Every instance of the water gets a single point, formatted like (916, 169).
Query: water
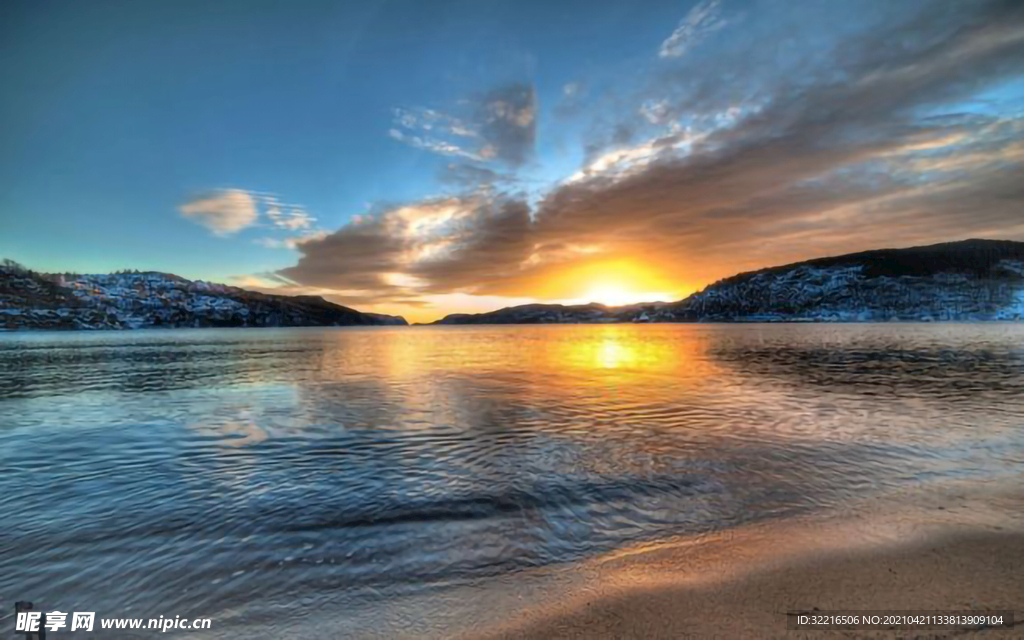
(208, 472)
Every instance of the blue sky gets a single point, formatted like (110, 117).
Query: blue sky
(420, 156)
(116, 112)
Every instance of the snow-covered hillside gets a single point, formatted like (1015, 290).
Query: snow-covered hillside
(973, 280)
(969, 280)
(140, 300)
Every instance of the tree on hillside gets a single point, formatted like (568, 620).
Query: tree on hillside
(12, 265)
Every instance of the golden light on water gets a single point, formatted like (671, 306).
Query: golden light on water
(560, 357)
(612, 354)
(627, 353)
(621, 348)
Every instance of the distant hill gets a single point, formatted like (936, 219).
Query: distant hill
(968, 280)
(972, 280)
(30, 300)
(549, 313)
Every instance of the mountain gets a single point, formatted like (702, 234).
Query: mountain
(968, 280)
(593, 313)
(29, 300)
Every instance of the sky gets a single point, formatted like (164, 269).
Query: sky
(423, 158)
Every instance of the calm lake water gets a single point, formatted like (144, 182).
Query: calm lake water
(201, 472)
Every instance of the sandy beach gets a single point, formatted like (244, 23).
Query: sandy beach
(981, 571)
(949, 552)
(955, 547)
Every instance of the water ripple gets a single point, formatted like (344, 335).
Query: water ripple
(183, 470)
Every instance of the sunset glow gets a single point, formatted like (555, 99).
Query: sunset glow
(611, 282)
(615, 294)
(529, 319)
(687, 143)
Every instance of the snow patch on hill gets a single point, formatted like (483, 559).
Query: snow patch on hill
(141, 300)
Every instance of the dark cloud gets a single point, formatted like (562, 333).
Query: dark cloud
(863, 146)
(355, 257)
(487, 247)
(470, 176)
(508, 123)
(754, 172)
(433, 246)
(498, 126)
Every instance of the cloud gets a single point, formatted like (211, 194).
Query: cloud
(228, 211)
(507, 119)
(223, 212)
(812, 162)
(498, 126)
(273, 283)
(472, 176)
(656, 111)
(433, 144)
(868, 146)
(435, 246)
(291, 242)
(287, 216)
(702, 20)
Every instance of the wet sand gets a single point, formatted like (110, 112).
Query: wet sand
(955, 548)
(948, 552)
(985, 572)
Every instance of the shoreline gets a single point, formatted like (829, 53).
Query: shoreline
(965, 555)
(149, 328)
(969, 572)
(958, 548)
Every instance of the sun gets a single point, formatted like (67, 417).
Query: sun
(612, 282)
(610, 294)
(616, 294)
